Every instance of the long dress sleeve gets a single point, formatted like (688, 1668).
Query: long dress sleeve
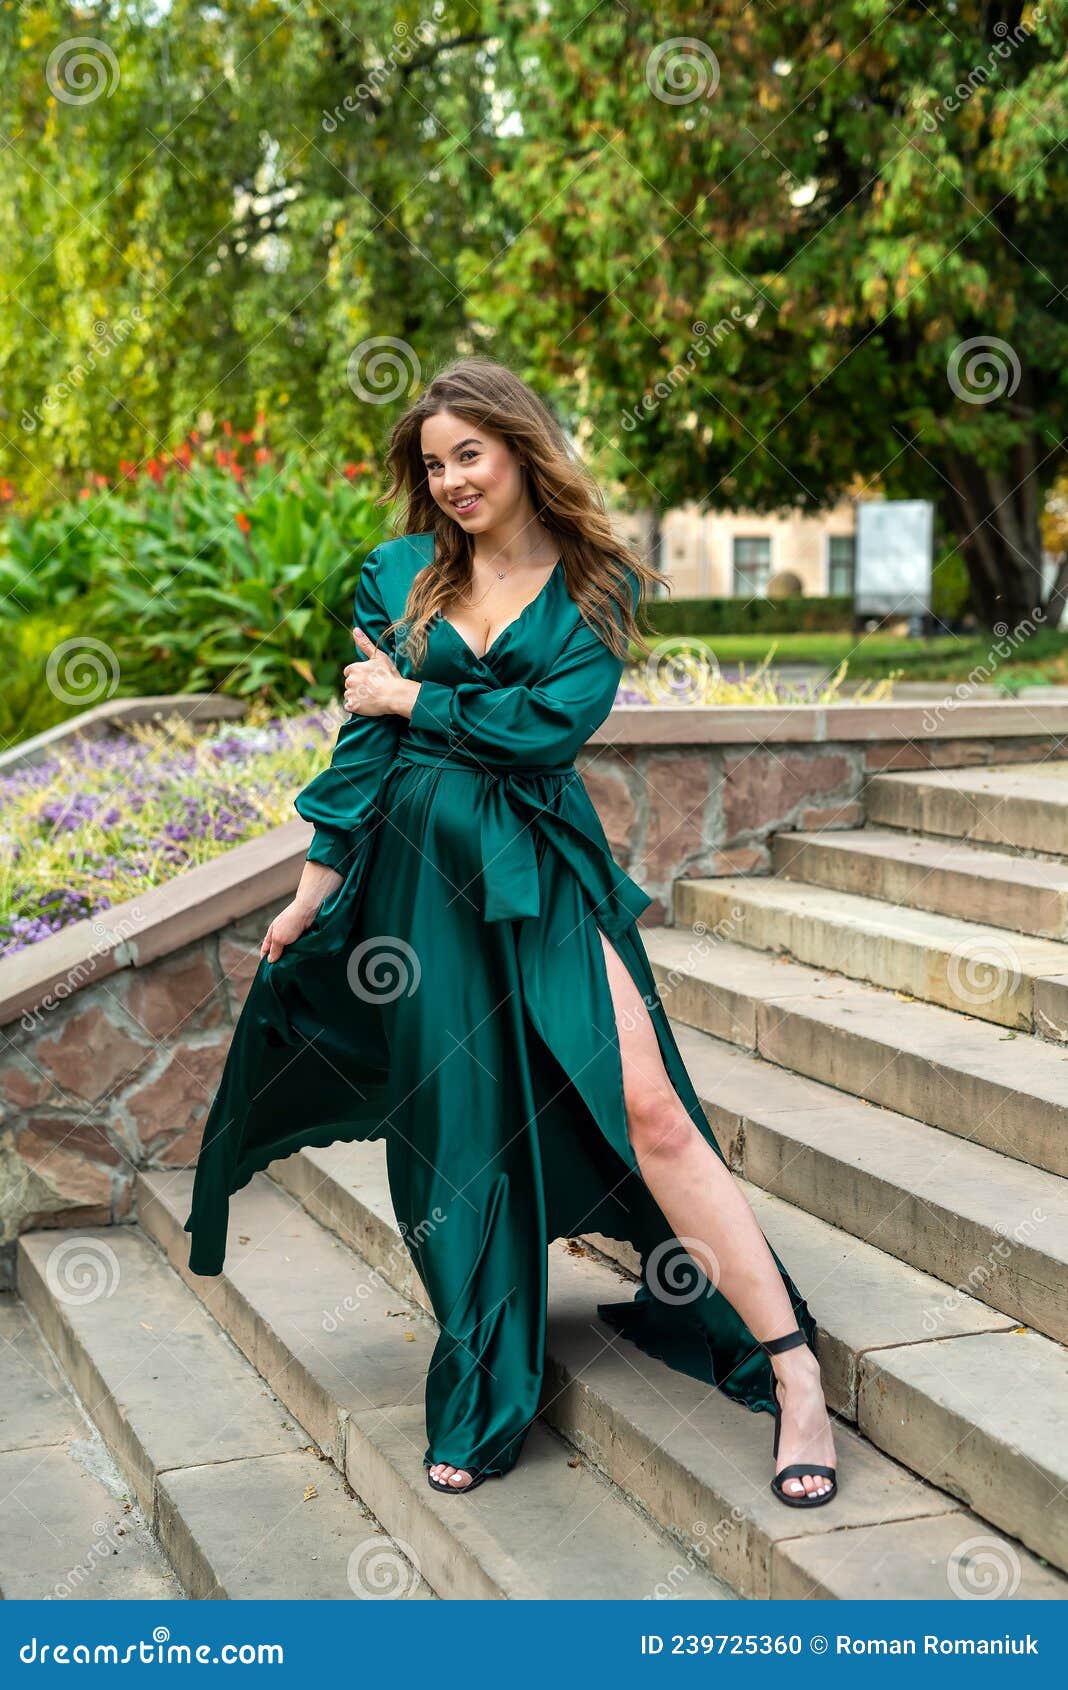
(339, 801)
(543, 724)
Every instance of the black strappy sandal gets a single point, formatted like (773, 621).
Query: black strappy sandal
(774, 1347)
(459, 1490)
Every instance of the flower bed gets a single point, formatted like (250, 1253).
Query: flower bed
(102, 820)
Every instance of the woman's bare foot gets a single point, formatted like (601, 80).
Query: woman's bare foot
(458, 1477)
(806, 1429)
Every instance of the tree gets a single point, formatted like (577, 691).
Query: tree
(775, 249)
(229, 206)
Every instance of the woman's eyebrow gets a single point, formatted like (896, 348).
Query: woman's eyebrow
(472, 440)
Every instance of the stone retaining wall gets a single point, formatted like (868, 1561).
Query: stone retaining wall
(115, 1030)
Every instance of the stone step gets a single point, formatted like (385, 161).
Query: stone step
(242, 1503)
(348, 1355)
(982, 971)
(868, 1305)
(1023, 894)
(1002, 1089)
(72, 1528)
(977, 1221)
(1022, 807)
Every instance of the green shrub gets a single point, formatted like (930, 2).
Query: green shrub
(951, 590)
(751, 616)
(211, 571)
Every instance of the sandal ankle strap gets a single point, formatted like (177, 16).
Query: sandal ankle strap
(789, 1341)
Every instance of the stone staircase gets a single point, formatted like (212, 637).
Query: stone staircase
(903, 1144)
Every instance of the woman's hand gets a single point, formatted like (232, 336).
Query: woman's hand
(288, 925)
(375, 686)
(317, 883)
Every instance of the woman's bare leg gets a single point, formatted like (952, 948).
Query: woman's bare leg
(707, 1210)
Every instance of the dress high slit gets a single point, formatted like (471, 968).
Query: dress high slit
(452, 997)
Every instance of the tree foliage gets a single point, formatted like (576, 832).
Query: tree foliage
(760, 256)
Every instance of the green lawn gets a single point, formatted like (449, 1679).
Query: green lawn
(1043, 658)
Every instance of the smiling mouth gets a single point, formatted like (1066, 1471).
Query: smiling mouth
(466, 504)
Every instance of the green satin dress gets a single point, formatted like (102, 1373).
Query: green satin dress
(451, 997)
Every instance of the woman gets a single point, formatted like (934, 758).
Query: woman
(523, 1072)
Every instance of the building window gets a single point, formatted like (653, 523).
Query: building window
(752, 565)
(841, 552)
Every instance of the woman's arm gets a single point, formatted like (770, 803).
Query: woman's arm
(529, 725)
(339, 802)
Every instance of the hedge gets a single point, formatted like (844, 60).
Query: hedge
(751, 616)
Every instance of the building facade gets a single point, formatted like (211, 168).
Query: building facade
(733, 554)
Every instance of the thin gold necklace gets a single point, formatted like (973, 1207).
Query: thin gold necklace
(500, 573)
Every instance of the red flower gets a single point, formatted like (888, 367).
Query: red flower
(155, 469)
(85, 493)
(7, 492)
(242, 522)
(127, 469)
(247, 436)
(182, 455)
(227, 430)
(262, 454)
(222, 458)
(194, 435)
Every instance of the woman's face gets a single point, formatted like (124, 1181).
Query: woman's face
(472, 473)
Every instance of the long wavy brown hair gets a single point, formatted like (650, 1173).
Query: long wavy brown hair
(565, 496)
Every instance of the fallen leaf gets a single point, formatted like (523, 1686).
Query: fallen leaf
(309, 1492)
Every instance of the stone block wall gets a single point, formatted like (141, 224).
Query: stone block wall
(688, 812)
(117, 1077)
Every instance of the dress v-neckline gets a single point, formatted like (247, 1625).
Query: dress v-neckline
(508, 626)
